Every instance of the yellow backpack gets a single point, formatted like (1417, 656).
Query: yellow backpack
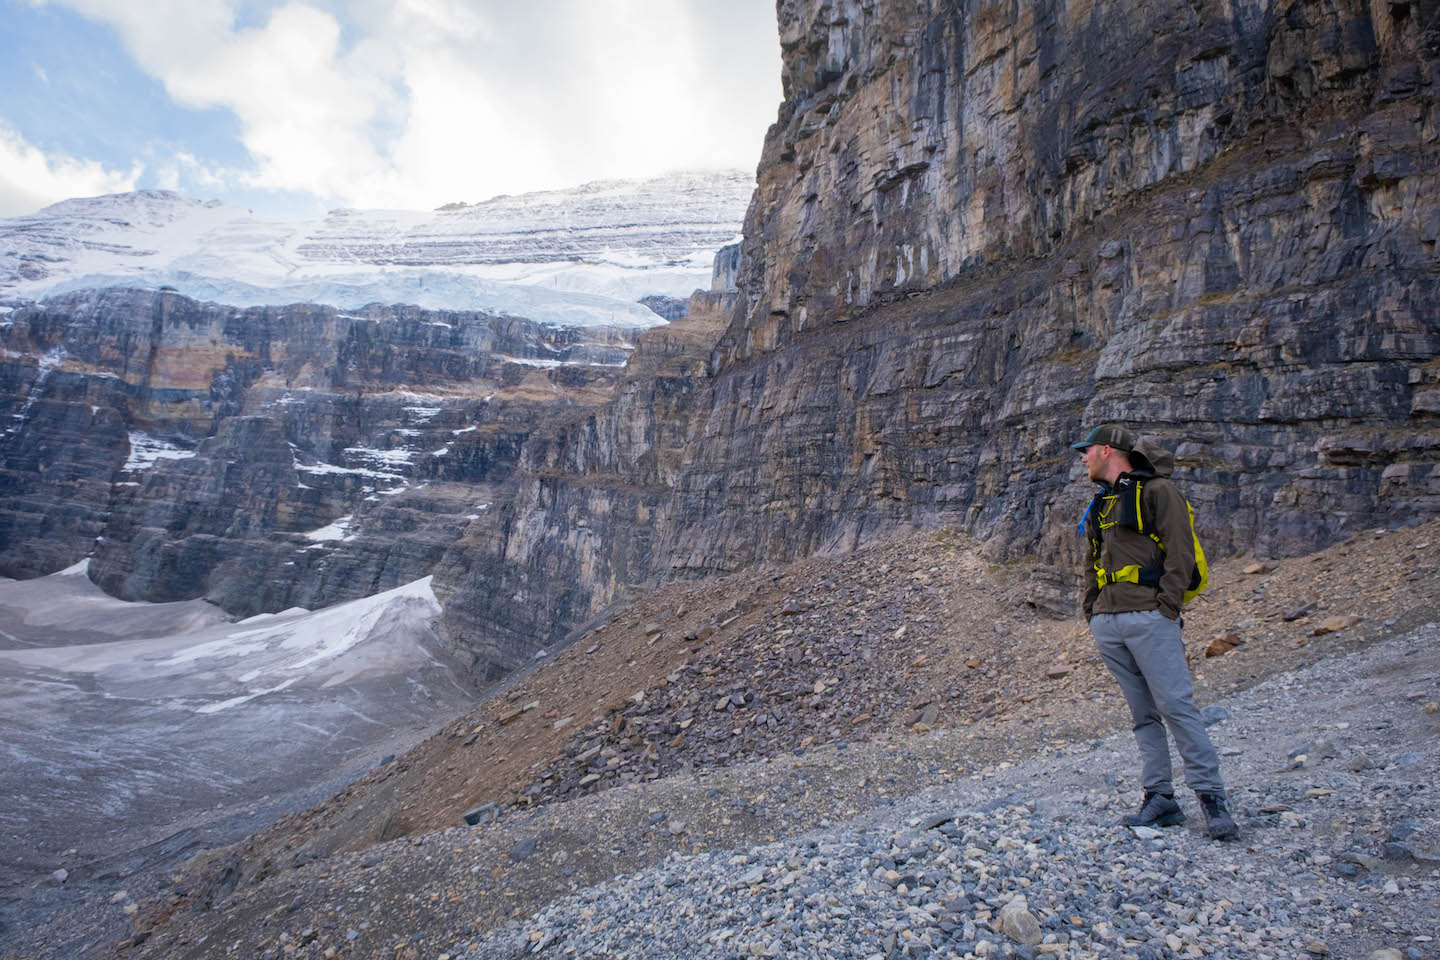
(1124, 507)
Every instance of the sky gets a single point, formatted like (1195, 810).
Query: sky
(295, 108)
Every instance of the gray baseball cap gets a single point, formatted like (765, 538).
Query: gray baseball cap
(1109, 435)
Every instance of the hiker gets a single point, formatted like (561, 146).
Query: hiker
(1144, 564)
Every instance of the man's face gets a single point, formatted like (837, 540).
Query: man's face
(1094, 457)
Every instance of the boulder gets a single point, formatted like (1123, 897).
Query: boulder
(1018, 923)
(1336, 623)
(1223, 644)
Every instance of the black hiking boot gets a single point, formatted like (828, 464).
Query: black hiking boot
(1218, 822)
(1156, 810)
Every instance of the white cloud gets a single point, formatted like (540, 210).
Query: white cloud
(31, 179)
(186, 173)
(414, 103)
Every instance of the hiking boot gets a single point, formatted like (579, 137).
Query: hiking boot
(1218, 822)
(1156, 810)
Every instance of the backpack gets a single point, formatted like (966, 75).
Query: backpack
(1124, 506)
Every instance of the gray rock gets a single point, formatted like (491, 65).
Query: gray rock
(486, 811)
(936, 820)
(524, 849)
(1018, 923)
(1404, 828)
(1301, 611)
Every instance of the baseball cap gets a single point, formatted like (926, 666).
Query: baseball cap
(1109, 435)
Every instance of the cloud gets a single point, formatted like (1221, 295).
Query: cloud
(414, 103)
(186, 173)
(31, 179)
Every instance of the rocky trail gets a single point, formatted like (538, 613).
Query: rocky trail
(1332, 770)
(907, 676)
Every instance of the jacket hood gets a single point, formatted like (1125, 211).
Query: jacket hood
(1149, 457)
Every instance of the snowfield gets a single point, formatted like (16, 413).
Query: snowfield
(578, 257)
(127, 723)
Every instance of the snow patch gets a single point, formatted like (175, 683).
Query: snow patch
(583, 256)
(530, 361)
(398, 458)
(330, 468)
(339, 530)
(146, 451)
(295, 645)
(236, 701)
(547, 364)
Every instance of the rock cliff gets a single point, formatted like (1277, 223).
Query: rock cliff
(268, 457)
(989, 225)
(980, 228)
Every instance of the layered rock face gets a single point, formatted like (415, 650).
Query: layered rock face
(590, 512)
(268, 457)
(980, 229)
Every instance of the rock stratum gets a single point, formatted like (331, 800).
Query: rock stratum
(977, 230)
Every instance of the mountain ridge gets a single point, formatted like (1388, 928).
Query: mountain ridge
(596, 248)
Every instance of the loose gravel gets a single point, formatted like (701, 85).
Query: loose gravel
(1332, 772)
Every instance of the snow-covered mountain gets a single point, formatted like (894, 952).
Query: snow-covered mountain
(578, 257)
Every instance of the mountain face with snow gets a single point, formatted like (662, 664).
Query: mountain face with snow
(578, 257)
(188, 391)
(174, 439)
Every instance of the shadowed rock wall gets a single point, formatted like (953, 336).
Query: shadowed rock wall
(271, 423)
(1215, 222)
(982, 227)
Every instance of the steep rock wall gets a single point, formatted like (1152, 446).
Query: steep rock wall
(991, 224)
(204, 450)
(980, 228)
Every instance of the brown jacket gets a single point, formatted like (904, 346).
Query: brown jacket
(1167, 513)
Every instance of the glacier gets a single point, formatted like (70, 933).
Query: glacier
(576, 257)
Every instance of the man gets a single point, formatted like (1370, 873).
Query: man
(1142, 561)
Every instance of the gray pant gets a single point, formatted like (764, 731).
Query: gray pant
(1147, 658)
